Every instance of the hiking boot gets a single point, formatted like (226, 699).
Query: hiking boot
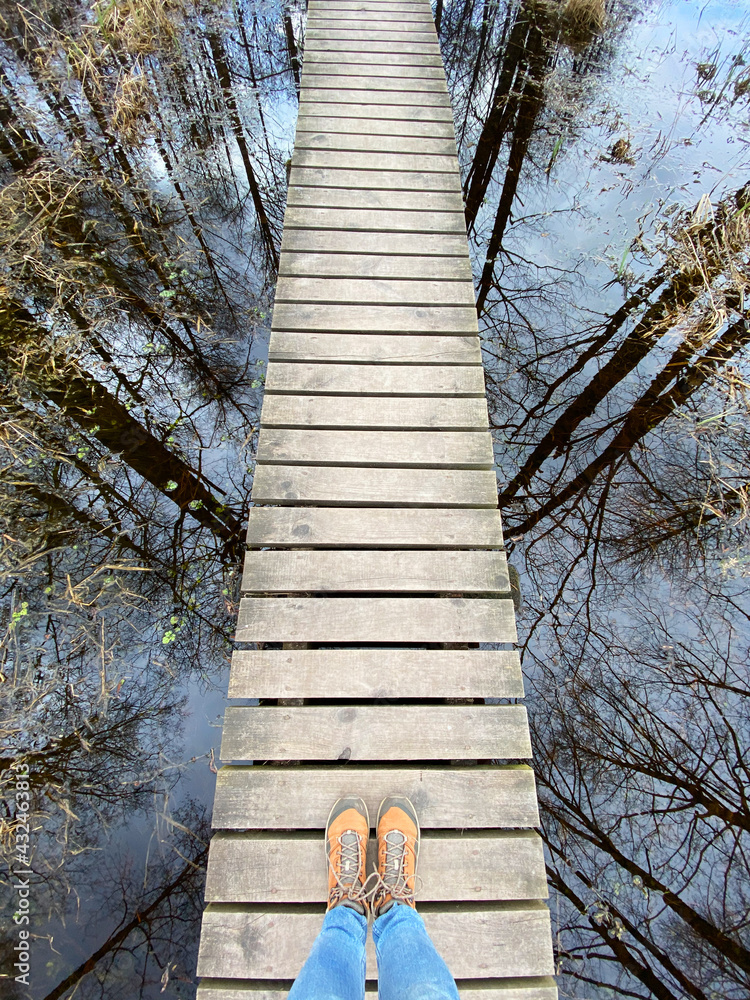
(347, 830)
(398, 849)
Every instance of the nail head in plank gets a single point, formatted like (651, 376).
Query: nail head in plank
(375, 732)
(504, 866)
(339, 486)
(364, 348)
(278, 571)
(512, 940)
(374, 266)
(376, 619)
(391, 449)
(376, 380)
(348, 527)
(375, 673)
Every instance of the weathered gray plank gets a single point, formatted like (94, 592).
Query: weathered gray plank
(280, 798)
(309, 107)
(321, 36)
(394, 244)
(376, 380)
(392, 449)
(374, 33)
(371, 60)
(343, 527)
(341, 141)
(426, 48)
(423, 96)
(397, 68)
(401, 160)
(375, 291)
(332, 17)
(389, 88)
(339, 486)
(389, 129)
(459, 320)
(354, 198)
(376, 619)
(374, 412)
(375, 673)
(539, 988)
(375, 571)
(362, 348)
(374, 266)
(512, 940)
(503, 866)
(403, 29)
(374, 219)
(375, 732)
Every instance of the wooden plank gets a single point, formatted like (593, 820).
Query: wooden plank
(374, 219)
(391, 70)
(362, 265)
(376, 380)
(279, 798)
(243, 868)
(539, 988)
(511, 940)
(391, 449)
(390, 129)
(354, 198)
(392, 244)
(375, 732)
(395, 39)
(339, 486)
(342, 527)
(400, 160)
(403, 28)
(423, 48)
(375, 571)
(334, 107)
(423, 146)
(317, 318)
(377, 291)
(362, 348)
(331, 17)
(371, 61)
(349, 91)
(376, 619)
(374, 412)
(375, 673)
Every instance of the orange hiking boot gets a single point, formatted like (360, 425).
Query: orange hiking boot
(398, 850)
(347, 830)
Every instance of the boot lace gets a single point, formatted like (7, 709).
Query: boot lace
(347, 872)
(394, 882)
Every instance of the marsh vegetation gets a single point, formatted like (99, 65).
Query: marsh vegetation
(143, 152)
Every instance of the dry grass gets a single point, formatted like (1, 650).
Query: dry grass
(140, 27)
(130, 106)
(581, 22)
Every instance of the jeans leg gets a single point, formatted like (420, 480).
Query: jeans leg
(335, 967)
(409, 967)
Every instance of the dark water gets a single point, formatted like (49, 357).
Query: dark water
(604, 156)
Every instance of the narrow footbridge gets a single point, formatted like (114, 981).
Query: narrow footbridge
(375, 576)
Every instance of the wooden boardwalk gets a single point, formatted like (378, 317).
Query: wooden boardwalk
(375, 566)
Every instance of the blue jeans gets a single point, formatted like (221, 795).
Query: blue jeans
(409, 967)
